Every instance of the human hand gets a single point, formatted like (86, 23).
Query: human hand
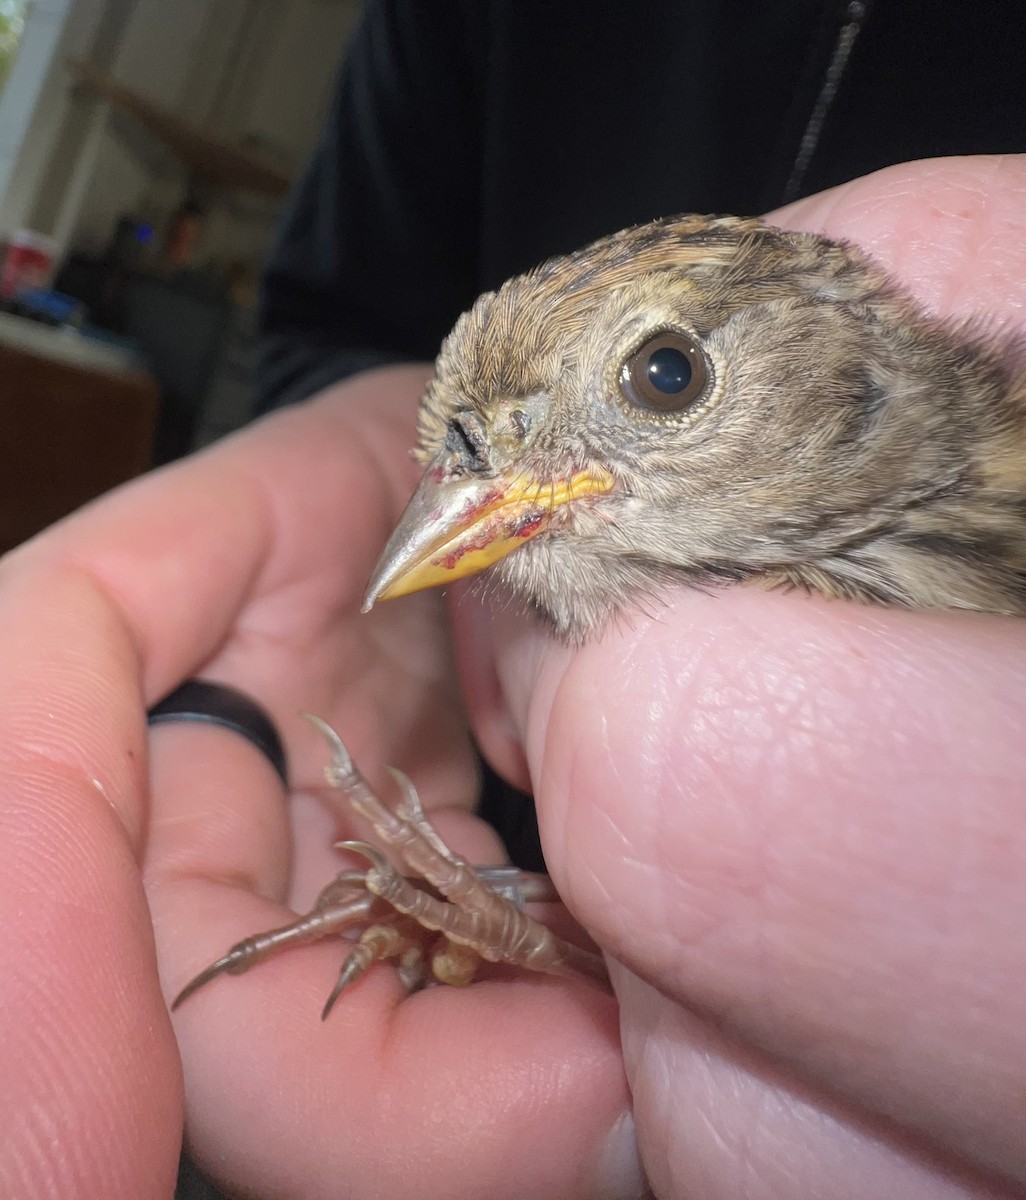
(798, 824)
(246, 565)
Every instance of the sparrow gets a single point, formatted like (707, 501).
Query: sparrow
(698, 401)
(710, 400)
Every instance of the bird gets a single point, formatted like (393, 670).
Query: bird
(707, 400)
(701, 400)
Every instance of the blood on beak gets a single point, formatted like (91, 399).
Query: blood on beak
(457, 524)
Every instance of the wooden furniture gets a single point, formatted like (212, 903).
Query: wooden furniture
(75, 420)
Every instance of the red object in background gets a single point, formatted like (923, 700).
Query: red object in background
(28, 263)
(183, 233)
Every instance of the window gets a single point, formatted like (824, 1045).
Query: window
(29, 34)
(12, 25)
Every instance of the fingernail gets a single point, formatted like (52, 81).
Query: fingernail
(618, 1171)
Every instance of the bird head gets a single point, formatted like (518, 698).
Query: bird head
(700, 399)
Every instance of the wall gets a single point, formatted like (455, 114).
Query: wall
(241, 69)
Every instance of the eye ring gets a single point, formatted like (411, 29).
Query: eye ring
(667, 375)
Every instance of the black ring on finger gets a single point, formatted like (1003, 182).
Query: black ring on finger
(217, 704)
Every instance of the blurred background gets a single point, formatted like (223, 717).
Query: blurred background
(146, 148)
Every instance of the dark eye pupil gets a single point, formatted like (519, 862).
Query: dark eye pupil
(669, 370)
(668, 374)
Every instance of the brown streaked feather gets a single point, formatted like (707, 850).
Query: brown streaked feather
(852, 444)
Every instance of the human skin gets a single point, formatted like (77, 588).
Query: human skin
(797, 824)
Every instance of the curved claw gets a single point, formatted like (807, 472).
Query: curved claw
(365, 850)
(409, 806)
(343, 903)
(351, 971)
(411, 809)
(233, 963)
(341, 769)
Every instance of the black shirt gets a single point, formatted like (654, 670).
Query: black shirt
(469, 139)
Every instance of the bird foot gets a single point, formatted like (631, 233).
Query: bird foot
(432, 914)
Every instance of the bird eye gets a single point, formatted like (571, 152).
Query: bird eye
(667, 374)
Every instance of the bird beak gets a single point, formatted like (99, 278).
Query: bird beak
(457, 524)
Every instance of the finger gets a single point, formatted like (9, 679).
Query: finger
(972, 211)
(520, 1083)
(751, 1130)
(91, 1103)
(248, 563)
(100, 616)
(950, 228)
(805, 818)
(475, 652)
(304, 498)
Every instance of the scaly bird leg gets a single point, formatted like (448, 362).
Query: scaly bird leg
(477, 916)
(477, 911)
(343, 904)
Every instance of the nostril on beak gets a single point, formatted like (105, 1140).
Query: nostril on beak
(466, 440)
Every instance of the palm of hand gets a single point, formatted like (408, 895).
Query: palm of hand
(389, 684)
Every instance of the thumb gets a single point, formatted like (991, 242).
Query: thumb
(803, 819)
